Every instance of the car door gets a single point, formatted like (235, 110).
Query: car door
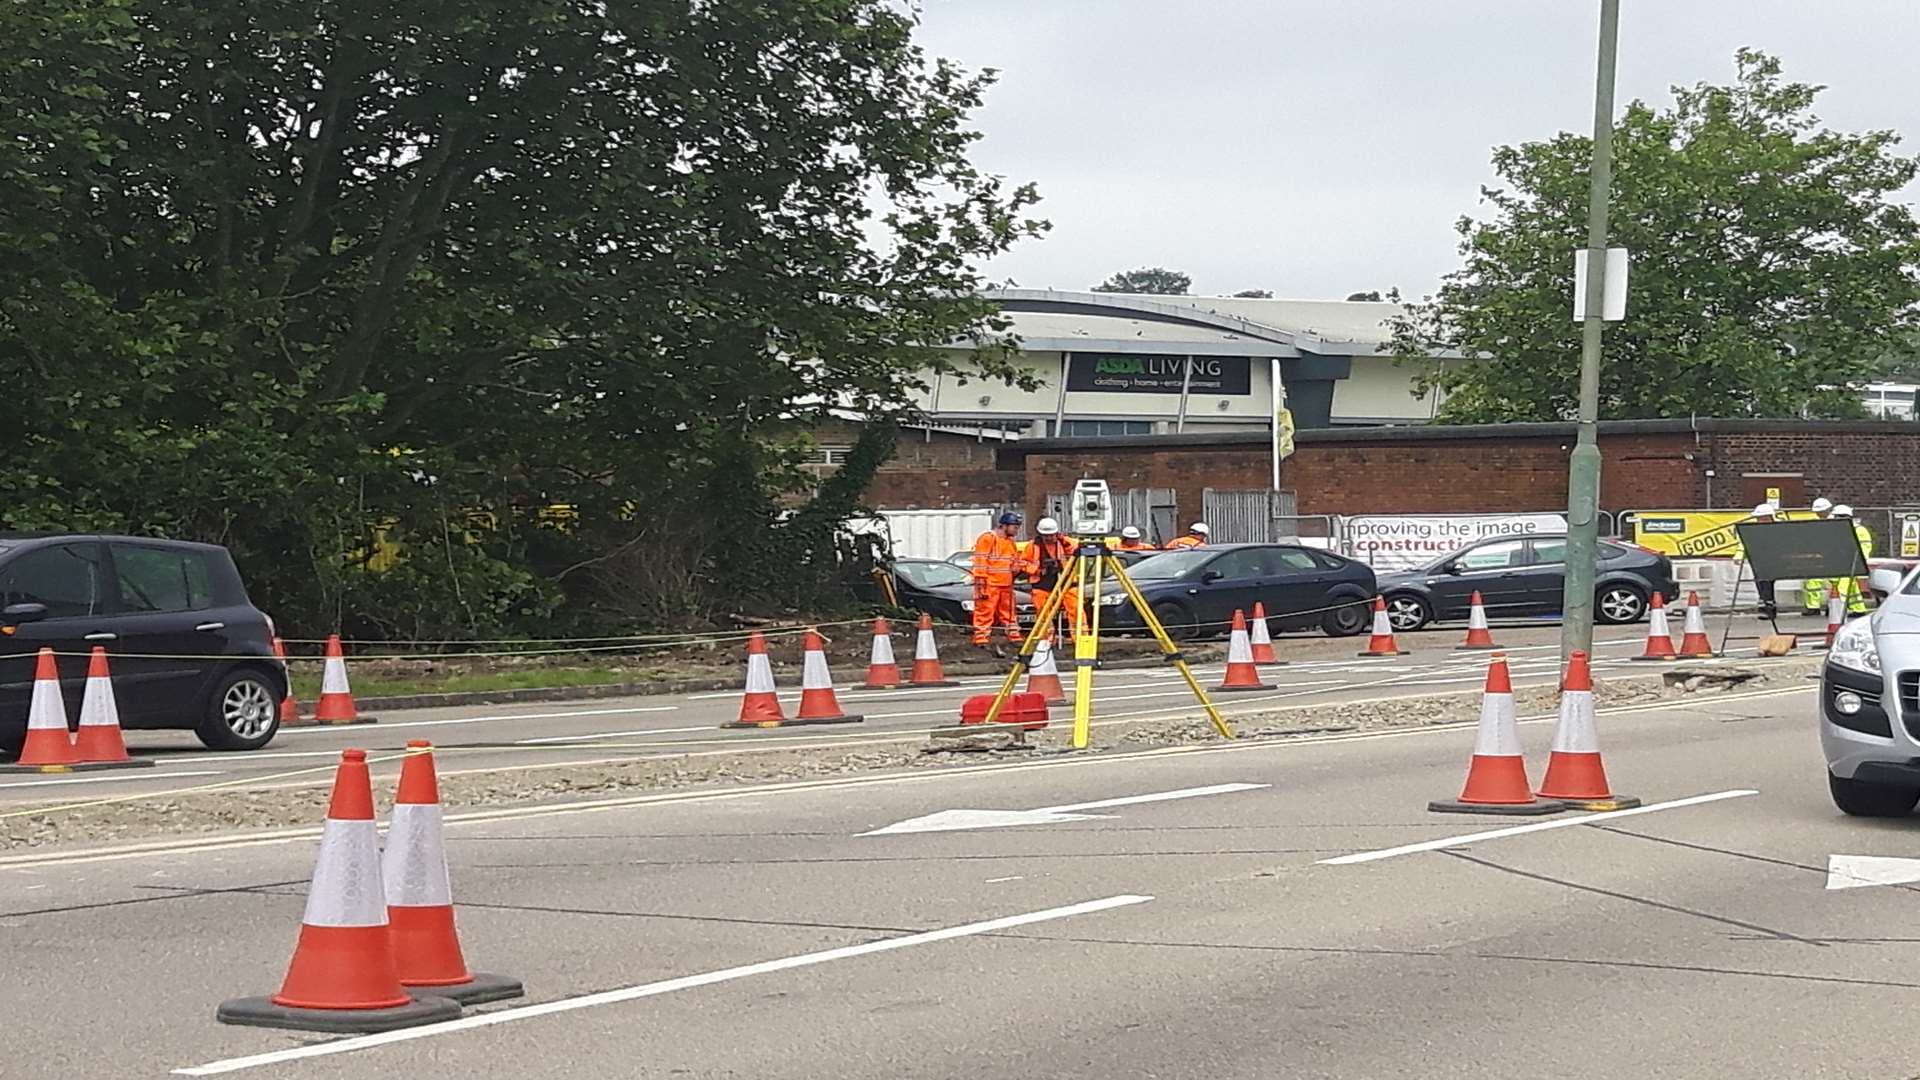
(1230, 582)
(167, 628)
(1295, 582)
(1492, 569)
(1544, 580)
(70, 581)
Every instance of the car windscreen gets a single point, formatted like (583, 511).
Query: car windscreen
(1169, 565)
(930, 575)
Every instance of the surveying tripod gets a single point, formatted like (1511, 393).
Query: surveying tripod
(1087, 568)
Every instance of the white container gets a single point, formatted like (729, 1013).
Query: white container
(929, 534)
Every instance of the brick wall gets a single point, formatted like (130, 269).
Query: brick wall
(931, 469)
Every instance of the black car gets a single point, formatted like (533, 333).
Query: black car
(1196, 591)
(186, 647)
(945, 592)
(1525, 576)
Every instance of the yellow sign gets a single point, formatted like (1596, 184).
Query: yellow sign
(1773, 496)
(1285, 428)
(1910, 536)
(1690, 534)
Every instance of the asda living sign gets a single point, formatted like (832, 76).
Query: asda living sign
(1159, 374)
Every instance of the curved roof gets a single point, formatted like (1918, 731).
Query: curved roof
(1324, 327)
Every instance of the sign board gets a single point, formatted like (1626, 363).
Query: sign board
(1115, 374)
(1773, 496)
(1407, 542)
(1283, 444)
(1690, 534)
(1910, 536)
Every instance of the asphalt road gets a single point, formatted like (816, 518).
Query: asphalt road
(1318, 670)
(1282, 909)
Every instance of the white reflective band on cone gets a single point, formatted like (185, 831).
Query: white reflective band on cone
(1499, 736)
(48, 709)
(1696, 623)
(98, 708)
(1381, 627)
(1574, 734)
(1238, 651)
(346, 888)
(1657, 627)
(923, 648)
(1043, 663)
(415, 864)
(759, 674)
(1477, 618)
(882, 649)
(813, 673)
(333, 679)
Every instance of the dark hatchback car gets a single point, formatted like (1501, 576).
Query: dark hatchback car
(1196, 591)
(186, 647)
(1517, 576)
(945, 592)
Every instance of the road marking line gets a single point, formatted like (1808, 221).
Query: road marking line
(1538, 826)
(105, 779)
(323, 729)
(668, 986)
(1157, 796)
(610, 735)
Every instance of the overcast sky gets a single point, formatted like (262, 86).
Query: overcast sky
(1320, 147)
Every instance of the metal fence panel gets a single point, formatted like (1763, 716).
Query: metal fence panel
(1243, 517)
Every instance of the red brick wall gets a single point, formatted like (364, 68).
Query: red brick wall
(1866, 469)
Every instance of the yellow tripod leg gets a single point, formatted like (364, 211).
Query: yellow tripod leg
(1168, 647)
(1012, 681)
(1086, 652)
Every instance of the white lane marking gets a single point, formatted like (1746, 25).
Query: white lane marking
(1538, 826)
(169, 775)
(956, 820)
(1157, 796)
(668, 986)
(1861, 871)
(610, 735)
(384, 725)
(989, 881)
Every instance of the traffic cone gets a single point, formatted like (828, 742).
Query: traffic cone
(426, 947)
(289, 708)
(1497, 775)
(336, 697)
(926, 658)
(1381, 643)
(1043, 675)
(48, 745)
(760, 706)
(1694, 645)
(99, 741)
(1836, 617)
(1259, 638)
(1241, 672)
(882, 672)
(1575, 774)
(818, 705)
(1479, 636)
(1659, 634)
(343, 977)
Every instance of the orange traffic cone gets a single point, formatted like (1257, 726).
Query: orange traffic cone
(1381, 643)
(1479, 636)
(49, 745)
(926, 658)
(289, 708)
(1241, 672)
(426, 947)
(1575, 773)
(1694, 645)
(760, 707)
(336, 697)
(818, 704)
(342, 977)
(1497, 775)
(882, 672)
(1260, 638)
(1836, 617)
(99, 741)
(1659, 633)
(1043, 675)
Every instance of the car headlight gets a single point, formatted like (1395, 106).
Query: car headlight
(1113, 599)
(966, 605)
(1854, 647)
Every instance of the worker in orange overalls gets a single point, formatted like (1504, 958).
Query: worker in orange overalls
(1196, 537)
(1050, 554)
(1130, 540)
(996, 557)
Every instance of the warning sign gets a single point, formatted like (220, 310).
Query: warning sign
(1690, 534)
(1910, 536)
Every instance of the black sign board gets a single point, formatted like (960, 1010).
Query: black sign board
(1802, 549)
(1140, 374)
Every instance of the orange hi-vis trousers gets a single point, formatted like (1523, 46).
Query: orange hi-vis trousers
(993, 607)
(1072, 612)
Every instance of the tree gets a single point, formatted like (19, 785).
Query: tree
(1255, 294)
(1373, 296)
(1770, 266)
(284, 276)
(1150, 279)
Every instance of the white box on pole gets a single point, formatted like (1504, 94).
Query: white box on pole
(1613, 306)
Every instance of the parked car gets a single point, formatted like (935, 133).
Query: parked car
(1870, 704)
(1196, 591)
(187, 648)
(1525, 576)
(943, 591)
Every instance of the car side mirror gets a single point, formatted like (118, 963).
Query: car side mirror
(1211, 576)
(15, 614)
(1453, 568)
(1885, 581)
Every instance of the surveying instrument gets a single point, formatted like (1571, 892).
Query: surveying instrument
(1091, 516)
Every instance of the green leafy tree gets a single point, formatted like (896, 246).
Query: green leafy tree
(1771, 265)
(281, 276)
(1150, 279)
(1255, 294)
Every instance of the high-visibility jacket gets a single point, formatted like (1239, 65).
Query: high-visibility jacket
(1187, 541)
(996, 558)
(1047, 559)
(1865, 536)
(1135, 545)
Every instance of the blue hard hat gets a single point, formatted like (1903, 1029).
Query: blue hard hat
(1011, 518)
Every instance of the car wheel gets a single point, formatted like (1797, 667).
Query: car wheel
(1407, 612)
(1346, 620)
(1861, 799)
(243, 713)
(1177, 620)
(1615, 604)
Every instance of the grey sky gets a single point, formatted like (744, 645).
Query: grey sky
(1318, 148)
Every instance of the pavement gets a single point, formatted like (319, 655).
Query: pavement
(1318, 671)
(1244, 910)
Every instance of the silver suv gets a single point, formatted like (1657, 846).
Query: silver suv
(1870, 705)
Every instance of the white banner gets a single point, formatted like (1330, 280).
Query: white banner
(1406, 542)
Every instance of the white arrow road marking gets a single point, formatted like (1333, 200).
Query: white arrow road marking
(952, 820)
(1861, 871)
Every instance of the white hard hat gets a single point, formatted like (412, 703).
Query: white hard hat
(1822, 505)
(1843, 510)
(1130, 533)
(1200, 527)
(1047, 527)
(1765, 509)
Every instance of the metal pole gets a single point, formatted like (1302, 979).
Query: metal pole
(1060, 401)
(1273, 415)
(1186, 384)
(1583, 472)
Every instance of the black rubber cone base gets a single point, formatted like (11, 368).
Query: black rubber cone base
(745, 724)
(910, 684)
(1655, 659)
(1601, 806)
(84, 766)
(1536, 808)
(1478, 648)
(1240, 689)
(355, 722)
(1382, 655)
(482, 989)
(262, 1012)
